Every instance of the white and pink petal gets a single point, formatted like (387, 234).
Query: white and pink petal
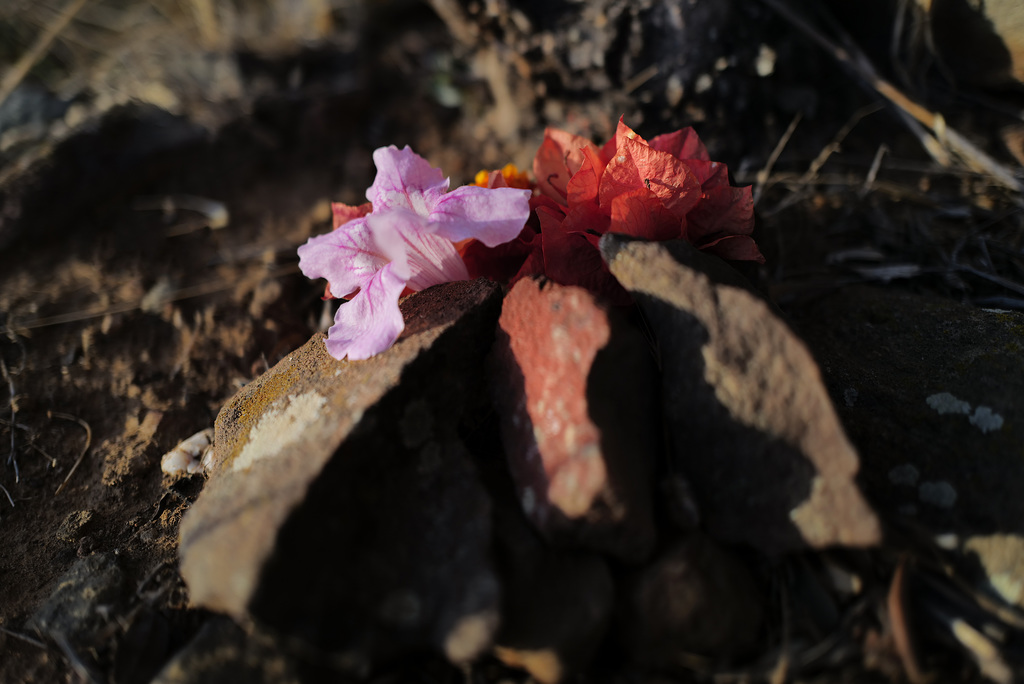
(405, 180)
(346, 257)
(491, 215)
(416, 251)
(371, 322)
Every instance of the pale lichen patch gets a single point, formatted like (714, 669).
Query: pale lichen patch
(986, 420)
(944, 403)
(279, 427)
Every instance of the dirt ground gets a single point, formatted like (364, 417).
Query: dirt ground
(128, 319)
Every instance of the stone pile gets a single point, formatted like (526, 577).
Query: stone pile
(532, 475)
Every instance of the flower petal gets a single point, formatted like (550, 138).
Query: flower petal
(622, 133)
(637, 166)
(573, 259)
(736, 248)
(682, 144)
(559, 157)
(416, 252)
(724, 211)
(371, 321)
(343, 213)
(584, 184)
(491, 215)
(405, 180)
(640, 214)
(347, 257)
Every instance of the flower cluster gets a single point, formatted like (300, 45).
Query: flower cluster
(664, 189)
(415, 233)
(403, 239)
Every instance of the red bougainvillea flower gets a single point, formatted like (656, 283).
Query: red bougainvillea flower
(664, 189)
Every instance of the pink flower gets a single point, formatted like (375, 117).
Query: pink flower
(405, 241)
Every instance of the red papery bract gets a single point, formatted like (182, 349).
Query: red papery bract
(662, 190)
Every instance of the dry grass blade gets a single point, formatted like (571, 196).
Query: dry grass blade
(23, 637)
(764, 174)
(10, 500)
(85, 448)
(939, 140)
(28, 60)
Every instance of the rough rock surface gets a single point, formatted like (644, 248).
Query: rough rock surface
(575, 388)
(91, 589)
(749, 421)
(556, 603)
(222, 652)
(695, 598)
(941, 427)
(343, 510)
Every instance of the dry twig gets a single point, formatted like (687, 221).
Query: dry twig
(85, 448)
(764, 174)
(939, 140)
(28, 60)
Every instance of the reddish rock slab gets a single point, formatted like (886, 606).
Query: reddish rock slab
(343, 511)
(575, 388)
(748, 418)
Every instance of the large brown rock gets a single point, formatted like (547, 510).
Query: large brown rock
(930, 392)
(343, 510)
(575, 388)
(749, 421)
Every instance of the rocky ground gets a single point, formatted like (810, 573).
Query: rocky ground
(807, 471)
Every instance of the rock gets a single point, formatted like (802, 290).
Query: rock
(85, 595)
(343, 510)
(1001, 557)
(556, 603)
(938, 418)
(73, 526)
(979, 43)
(575, 388)
(749, 421)
(693, 599)
(222, 652)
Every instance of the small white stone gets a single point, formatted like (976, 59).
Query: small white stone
(986, 420)
(940, 494)
(765, 62)
(944, 403)
(190, 456)
(703, 84)
(905, 474)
